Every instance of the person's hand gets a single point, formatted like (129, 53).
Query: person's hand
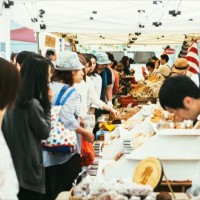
(115, 112)
(89, 137)
(91, 110)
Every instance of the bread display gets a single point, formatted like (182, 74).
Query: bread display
(140, 138)
(148, 88)
(131, 123)
(165, 125)
(166, 120)
(163, 196)
(124, 114)
(169, 117)
(157, 115)
(111, 195)
(186, 124)
(116, 189)
(118, 156)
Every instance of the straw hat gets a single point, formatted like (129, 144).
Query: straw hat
(180, 66)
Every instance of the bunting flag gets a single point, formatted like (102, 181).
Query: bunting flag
(184, 49)
(193, 60)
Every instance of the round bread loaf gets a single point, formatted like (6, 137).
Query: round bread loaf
(163, 196)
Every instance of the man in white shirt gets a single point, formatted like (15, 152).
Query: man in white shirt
(164, 69)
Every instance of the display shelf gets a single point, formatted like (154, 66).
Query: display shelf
(169, 147)
(115, 146)
(183, 185)
(110, 151)
(179, 155)
(180, 132)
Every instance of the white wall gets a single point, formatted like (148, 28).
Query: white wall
(5, 33)
(17, 46)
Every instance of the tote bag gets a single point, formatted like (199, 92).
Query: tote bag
(60, 138)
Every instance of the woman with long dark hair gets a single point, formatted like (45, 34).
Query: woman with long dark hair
(9, 81)
(96, 79)
(27, 124)
(125, 62)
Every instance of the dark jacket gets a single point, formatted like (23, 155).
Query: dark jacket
(24, 128)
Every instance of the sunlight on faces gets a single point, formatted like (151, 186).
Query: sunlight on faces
(54, 57)
(77, 75)
(162, 61)
(190, 111)
(92, 67)
(149, 69)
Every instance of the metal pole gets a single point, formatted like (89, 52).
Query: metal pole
(38, 43)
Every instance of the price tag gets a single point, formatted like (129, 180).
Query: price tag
(129, 107)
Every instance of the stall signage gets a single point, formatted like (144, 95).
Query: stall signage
(170, 51)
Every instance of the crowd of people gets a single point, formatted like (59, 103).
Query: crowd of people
(31, 83)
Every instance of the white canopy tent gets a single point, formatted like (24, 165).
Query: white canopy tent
(112, 22)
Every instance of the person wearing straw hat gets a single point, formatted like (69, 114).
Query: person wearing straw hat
(180, 67)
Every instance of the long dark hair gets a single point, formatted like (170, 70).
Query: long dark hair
(34, 81)
(9, 82)
(62, 76)
(124, 60)
(94, 73)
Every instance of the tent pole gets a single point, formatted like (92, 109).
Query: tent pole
(5, 33)
(38, 42)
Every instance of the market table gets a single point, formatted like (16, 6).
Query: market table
(177, 184)
(66, 196)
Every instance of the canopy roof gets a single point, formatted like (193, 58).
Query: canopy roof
(114, 22)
